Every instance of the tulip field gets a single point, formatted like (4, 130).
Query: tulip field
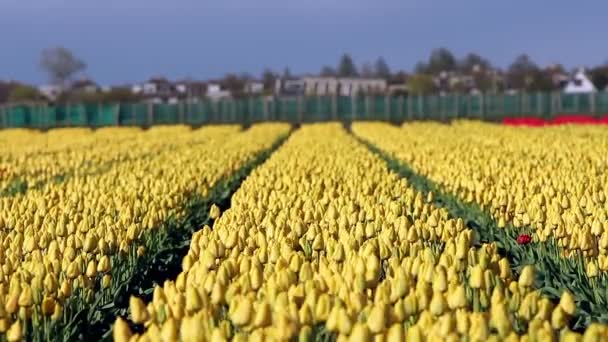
(466, 231)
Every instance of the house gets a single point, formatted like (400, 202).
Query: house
(289, 86)
(85, 86)
(398, 89)
(215, 91)
(254, 87)
(51, 91)
(579, 83)
(355, 86)
(157, 87)
(321, 86)
(559, 78)
(190, 89)
(448, 81)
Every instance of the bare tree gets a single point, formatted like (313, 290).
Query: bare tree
(60, 64)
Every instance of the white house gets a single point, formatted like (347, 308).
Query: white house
(215, 91)
(254, 87)
(313, 85)
(50, 91)
(291, 86)
(579, 83)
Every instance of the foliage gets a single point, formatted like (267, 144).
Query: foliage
(24, 93)
(346, 67)
(60, 64)
(114, 95)
(269, 78)
(441, 59)
(525, 74)
(328, 71)
(599, 77)
(420, 84)
(381, 69)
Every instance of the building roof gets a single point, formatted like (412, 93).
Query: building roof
(579, 83)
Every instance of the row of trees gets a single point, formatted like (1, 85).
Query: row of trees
(442, 71)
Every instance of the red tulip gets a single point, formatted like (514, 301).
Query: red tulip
(524, 239)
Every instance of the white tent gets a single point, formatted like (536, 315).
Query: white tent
(579, 83)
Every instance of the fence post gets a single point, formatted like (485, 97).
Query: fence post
(150, 112)
(3, 116)
(117, 115)
(353, 109)
(387, 107)
(300, 107)
(400, 108)
(592, 103)
(334, 107)
(180, 112)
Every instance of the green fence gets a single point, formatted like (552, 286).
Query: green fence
(305, 109)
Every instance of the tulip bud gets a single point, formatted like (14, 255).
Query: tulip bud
(526, 278)
(138, 310)
(476, 278)
(558, 318)
(214, 212)
(377, 319)
(360, 333)
(567, 304)
(121, 331)
(106, 281)
(243, 312)
(438, 304)
(15, 333)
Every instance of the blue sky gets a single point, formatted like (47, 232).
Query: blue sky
(130, 40)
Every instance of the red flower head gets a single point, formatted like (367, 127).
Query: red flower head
(524, 239)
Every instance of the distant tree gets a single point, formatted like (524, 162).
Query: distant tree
(269, 78)
(480, 69)
(458, 87)
(474, 63)
(5, 90)
(245, 76)
(114, 95)
(234, 84)
(381, 69)
(526, 75)
(287, 73)
(119, 94)
(328, 71)
(441, 59)
(520, 74)
(400, 77)
(24, 93)
(484, 80)
(599, 76)
(347, 67)
(420, 84)
(367, 70)
(61, 65)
